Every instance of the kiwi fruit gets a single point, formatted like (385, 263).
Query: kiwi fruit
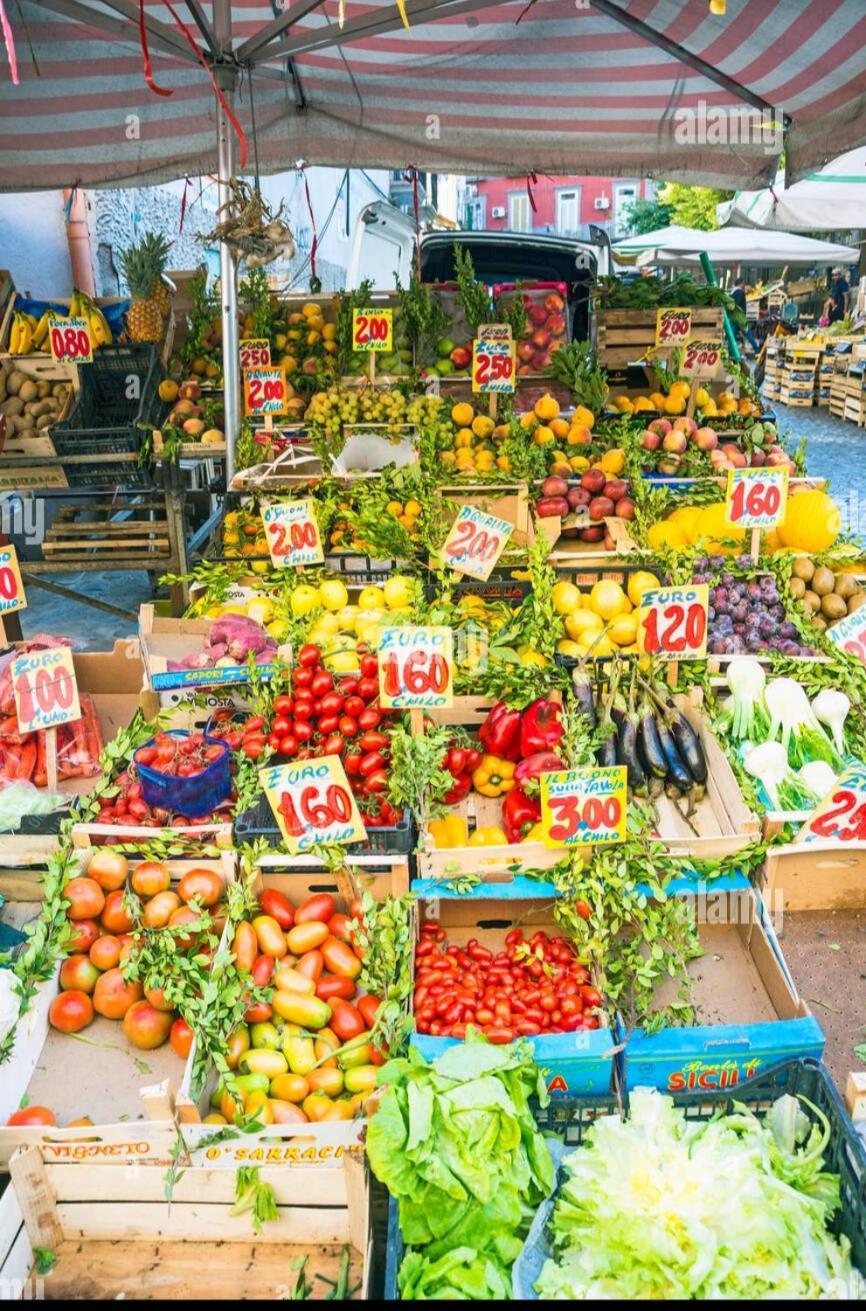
(797, 588)
(823, 580)
(855, 601)
(803, 568)
(812, 600)
(833, 606)
(846, 586)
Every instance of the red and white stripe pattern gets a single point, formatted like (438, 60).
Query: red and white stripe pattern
(567, 90)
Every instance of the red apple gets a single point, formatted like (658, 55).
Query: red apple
(577, 496)
(616, 489)
(525, 352)
(625, 508)
(460, 357)
(593, 480)
(600, 507)
(594, 534)
(537, 315)
(556, 325)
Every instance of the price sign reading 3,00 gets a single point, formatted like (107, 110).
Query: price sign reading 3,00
(583, 807)
(373, 330)
(265, 391)
(70, 340)
(756, 498)
(312, 802)
(841, 816)
(850, 634)
(255, 353)
(292, 533)
(475, 542)
(673, 326)
(673, 622)
(416, 667)
(45, 689)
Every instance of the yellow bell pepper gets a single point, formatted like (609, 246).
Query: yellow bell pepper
(493, 776)
(488, 837)
(534, 834)
(451, 831)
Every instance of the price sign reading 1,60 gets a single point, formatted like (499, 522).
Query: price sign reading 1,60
(673, 622)
(756, 498)
(312, 802)
(416, 667)
(673, 326)
(583, 807)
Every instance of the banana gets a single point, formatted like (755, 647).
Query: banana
(21, 336)
(40, 334)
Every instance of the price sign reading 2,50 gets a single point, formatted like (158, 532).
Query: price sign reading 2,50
(673, 623)
(416, 667)
(841, 816)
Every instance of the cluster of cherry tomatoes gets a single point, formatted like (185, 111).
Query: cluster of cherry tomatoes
(532, 986)
(179, 756)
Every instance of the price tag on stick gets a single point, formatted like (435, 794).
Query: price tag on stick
(313, 802)
(850, 634)
(255, 353)
(494, 359)
(756, 498)
(701, 360)
(264, 392)
(11, 587)
(673, 622)
(673, 326)
(69, 339)
(416, 667)
(45, 689)
(292, 533)
(373, 330)
(475, 542)
(841, 816)
(584, 807)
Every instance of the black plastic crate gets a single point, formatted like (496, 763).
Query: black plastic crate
(99, 427)
(807, 1078)
(259, 822)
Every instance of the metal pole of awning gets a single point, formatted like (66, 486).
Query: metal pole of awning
(227, 77)
(710, 275)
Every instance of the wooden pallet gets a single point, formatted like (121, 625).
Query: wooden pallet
(90, 531)
(855, 410)
(624, 336)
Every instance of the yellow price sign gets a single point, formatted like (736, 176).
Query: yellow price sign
(45, 689)
(313, 803)
(494, 359)
(255, 353)
(416, 667)
(264, 392)
(292, 533)
(673, 326)
(373, 330)
(584, 807)
(11, 585)
(756, 498)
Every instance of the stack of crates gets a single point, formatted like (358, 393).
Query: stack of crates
(799, 374)
(773, 368)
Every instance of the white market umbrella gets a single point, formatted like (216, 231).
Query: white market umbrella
(831, 200)
(677, 245)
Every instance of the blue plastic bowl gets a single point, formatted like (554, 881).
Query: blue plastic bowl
(190, 797)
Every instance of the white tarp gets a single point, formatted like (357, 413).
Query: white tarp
(677, 245)
(831, 200)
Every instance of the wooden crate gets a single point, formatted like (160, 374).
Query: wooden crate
(102, 1077)
(625, 336)
(568, 551)
(722, 820)
(508, 501)
(16, 1254)
(816, 876)
(115, 1236)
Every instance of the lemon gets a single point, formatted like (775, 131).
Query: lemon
(371, 598)
(399, 591)
(328, 623)
(343, 662)
(566, 598)
(214, 612)
(531, 658)
(608, 599)
(639, 583)
(687, 519)
(347, 617)
(278, 630)
(565, 646)
(263, 567)
(334, 594)
(603, 647)
(623, 630)
(582, 625)
(462, 414)
(260, 610)
(303, 599)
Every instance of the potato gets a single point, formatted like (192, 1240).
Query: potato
(26, 435)
(823, 581)
(803, 568)
(819, 622)
(2, 385)
(812, 600)
(797, 587)
(855, 601)
(28, 391)
(14, 381)
(60, 389)
(43, 389)
(14, 405)
(44, 420)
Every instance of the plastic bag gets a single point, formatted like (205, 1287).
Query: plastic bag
(21, 799)
(79, 745)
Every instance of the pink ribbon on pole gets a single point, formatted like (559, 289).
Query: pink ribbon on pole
(9, 41)
(411, 175)
(531, 181)
(314, 244)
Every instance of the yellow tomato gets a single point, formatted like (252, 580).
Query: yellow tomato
(334, 594)
(639, 583)
(566, 597)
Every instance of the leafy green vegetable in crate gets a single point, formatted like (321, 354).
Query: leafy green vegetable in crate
(456, 1143)
(659, 1206)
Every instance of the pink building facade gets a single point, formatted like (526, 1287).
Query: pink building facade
(563, 205)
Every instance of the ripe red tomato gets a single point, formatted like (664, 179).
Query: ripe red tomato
(181, 1037)
(71, 1011)
(29, 1115)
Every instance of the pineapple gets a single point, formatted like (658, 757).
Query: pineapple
(143, 266)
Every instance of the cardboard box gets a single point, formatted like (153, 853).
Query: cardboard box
(816, 876)
(573, 1064)
(165, 639)
(750, 1016)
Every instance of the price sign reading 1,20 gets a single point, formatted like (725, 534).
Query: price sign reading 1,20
(255, 353)
(673, 622)
(292, 533)
(673, 326)
(756, 498)
(265, 391)
(416, 667)
(69, 339)
(494, 359)
(373, 330)
(841, 816)
(583, 807)
(45, 689)
(312, 802)
(475, 542)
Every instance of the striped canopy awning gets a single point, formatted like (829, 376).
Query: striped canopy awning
(622, 87)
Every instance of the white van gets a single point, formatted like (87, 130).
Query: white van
(384, 249)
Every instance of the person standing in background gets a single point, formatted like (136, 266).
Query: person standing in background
(738, 296)
(840, 295)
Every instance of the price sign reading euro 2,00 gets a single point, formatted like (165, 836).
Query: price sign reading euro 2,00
(673, 326)
(416, 667)
(584, 807)
(313, 803)
(475, 542)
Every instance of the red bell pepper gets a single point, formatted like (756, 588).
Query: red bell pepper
(519, 813)
(540, 727)
(540, 762)
(461, 788)
(500, 732)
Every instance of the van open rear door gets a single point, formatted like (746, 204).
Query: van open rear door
(382, 247)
